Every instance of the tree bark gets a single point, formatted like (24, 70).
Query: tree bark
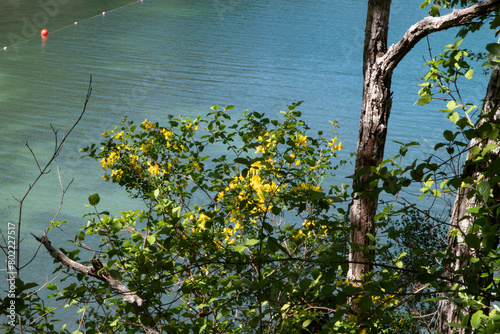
(379, 63)
(448, 311)
(117, 286)
(375, 112)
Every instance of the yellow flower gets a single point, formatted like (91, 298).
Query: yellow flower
(334, 123)
(147, 125)
(299, 233)
(153, 169)
(202, 219)
(116, 174)
(166, 133)
(228, 231)
(267, 142)
(119, 135)
(192, 126)
(195, 164)
(124, 146)
(147, 146)
(111, 160)
(260, 149)
(334, 147)
(308, 224)
(220, 195)
(134, 160)
(301, 141)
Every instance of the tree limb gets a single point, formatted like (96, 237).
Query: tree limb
(421, 29)
(117, 286)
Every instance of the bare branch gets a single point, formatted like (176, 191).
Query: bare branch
(429, 25)
(96, 271)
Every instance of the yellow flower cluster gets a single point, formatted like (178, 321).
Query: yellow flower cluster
(119, 135)
(266, 143)
(134, 161)
(147, 146)
(117, 174)
(197, 222)
(111, 160)
(192, 127)
(229, 232)
(304, 187)
(309, 225)
(297, 162)
(202, 220)
(148, 125)
(167, 134)
(153, 168)
(301, 141)
(332, 145)
(255, 192)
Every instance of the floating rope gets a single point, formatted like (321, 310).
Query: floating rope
(44, 32)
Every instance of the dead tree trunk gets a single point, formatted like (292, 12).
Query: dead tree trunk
(462, 221)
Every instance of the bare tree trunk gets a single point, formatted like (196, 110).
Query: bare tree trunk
(372, 133)
(379, 63)
(448, 311)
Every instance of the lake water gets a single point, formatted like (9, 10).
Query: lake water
(158, 57)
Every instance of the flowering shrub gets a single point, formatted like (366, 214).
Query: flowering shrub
(238, 212)
(243, 230)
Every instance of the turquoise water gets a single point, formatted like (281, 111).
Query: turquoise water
(159, 57)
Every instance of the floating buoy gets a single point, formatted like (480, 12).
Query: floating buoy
(103, 13)
(44, 32)
(76, 22)
(5, 48)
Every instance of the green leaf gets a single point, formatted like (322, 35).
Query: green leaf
(469, 73)
(370, 236)
(151, 239)
(306, 323)
(434, 11)
(483, 188)
(451, 105)
(423, 100)
(448, 135)
(473, 241)
(51, 286)
(494, 49)
(116, 226)
(29, 285)
(315, 273)
(94, 199)
(424, 4)
(454, 117)
(241, 160)
(251, 242)
(239, 248)
(475, 320)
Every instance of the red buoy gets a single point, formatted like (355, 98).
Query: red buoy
(44, 32)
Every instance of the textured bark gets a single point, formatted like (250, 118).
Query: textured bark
(461, 221)
(372, 132)
(93, 271)
(379, 62)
